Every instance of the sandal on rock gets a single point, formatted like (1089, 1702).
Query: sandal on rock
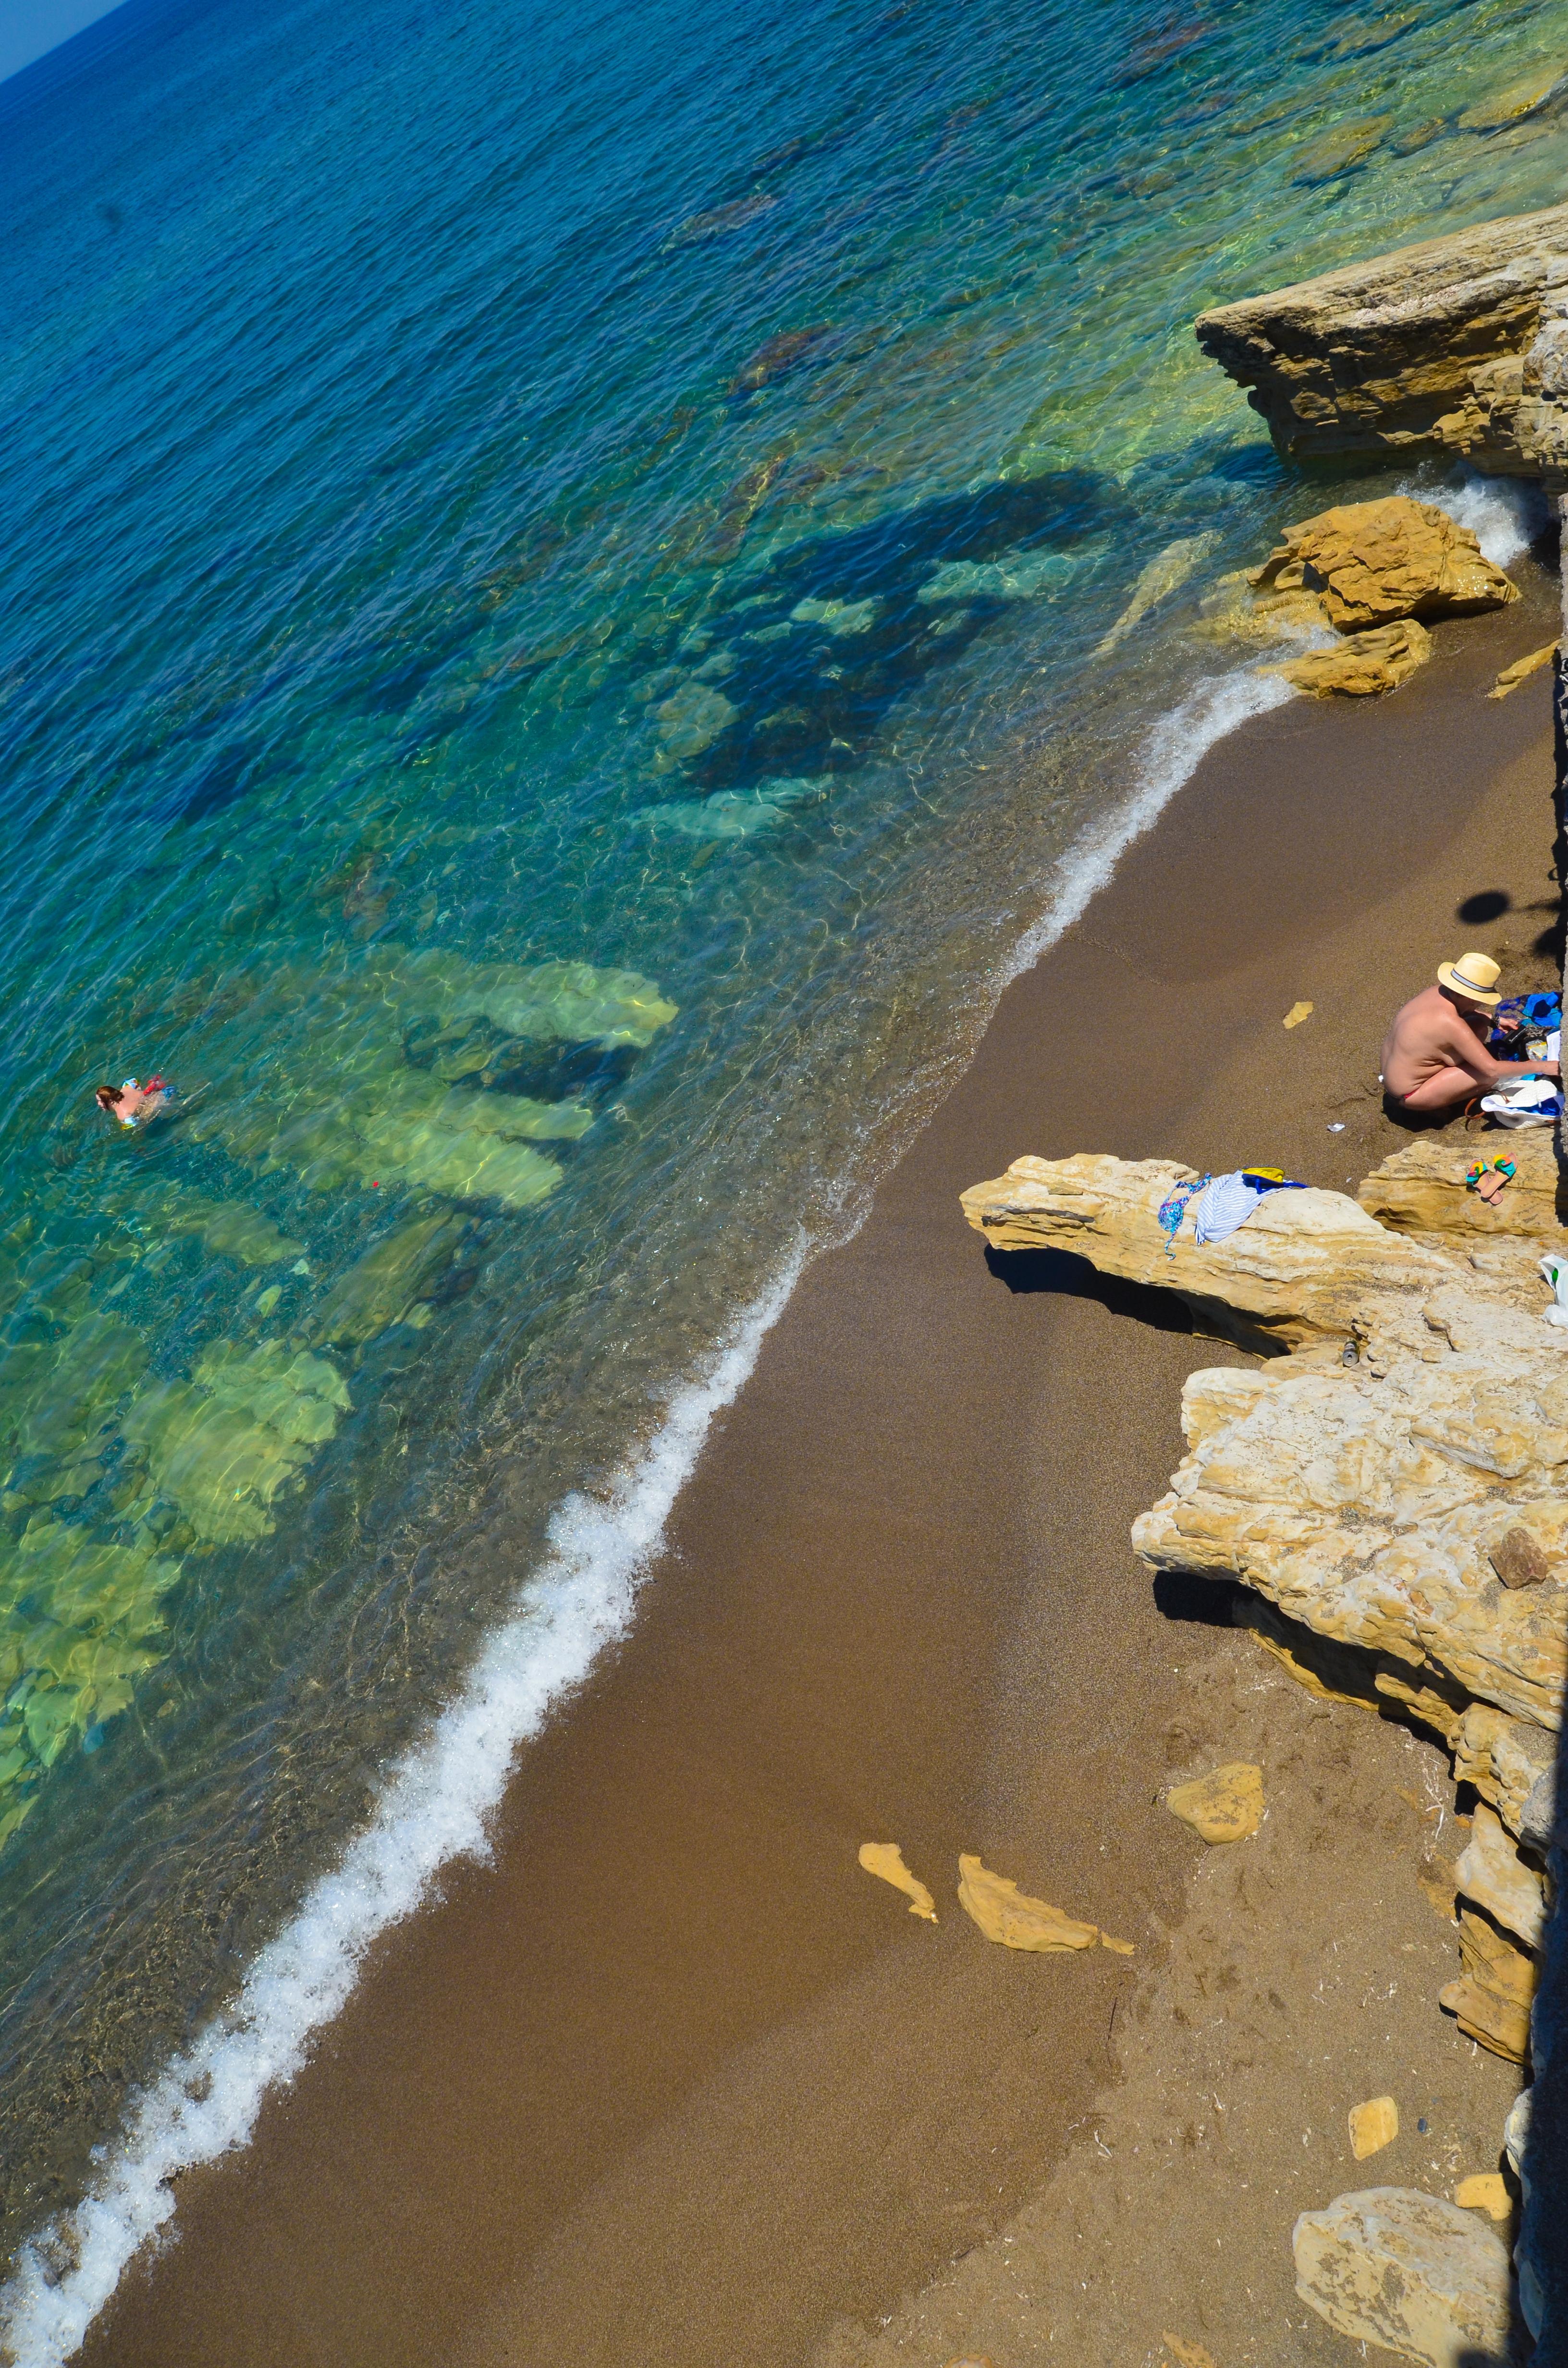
(1497, 1174)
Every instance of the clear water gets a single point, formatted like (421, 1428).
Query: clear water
(558, 630)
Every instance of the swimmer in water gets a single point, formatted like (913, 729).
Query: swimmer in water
(133, 1103)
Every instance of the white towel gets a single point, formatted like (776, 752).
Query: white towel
(1225, 1202)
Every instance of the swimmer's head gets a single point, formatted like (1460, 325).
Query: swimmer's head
(107, 1098)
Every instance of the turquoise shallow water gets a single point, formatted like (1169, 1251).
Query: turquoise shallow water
(555, 637)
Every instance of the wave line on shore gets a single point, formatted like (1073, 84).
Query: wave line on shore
(435, 1808)
(1169, 757)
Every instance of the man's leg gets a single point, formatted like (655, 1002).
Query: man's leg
(1447, 1089)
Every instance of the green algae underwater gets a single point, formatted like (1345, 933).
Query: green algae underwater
(567, 606)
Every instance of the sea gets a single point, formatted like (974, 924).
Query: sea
(582, 587)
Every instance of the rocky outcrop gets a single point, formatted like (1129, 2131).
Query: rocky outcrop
(1422, 1190)
(1457, 347)
(1391, 1493)
(1362, 664)
(1410, 2272)
(1371, 563)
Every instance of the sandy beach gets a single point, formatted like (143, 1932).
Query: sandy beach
(673, 2081)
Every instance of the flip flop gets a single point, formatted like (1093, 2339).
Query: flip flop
(1497, 1173)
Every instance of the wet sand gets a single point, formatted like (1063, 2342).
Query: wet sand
(671, 2080)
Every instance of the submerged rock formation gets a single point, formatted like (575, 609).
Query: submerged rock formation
(1456, 348)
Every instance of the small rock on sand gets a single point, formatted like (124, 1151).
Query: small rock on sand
(1189, 2355)
(1226, 1805)
(1411, 2272)
(1297, 1013)
(1007, 1915)
(1362, 664)
(1485, 2191)
(886, 1860)
(1521, 669)
(1373, 2125)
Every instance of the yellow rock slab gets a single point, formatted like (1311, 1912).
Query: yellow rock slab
(1226, 1805)
(1007, 1915)
(1373, 2125)
(886, 1860)
(1361, 665)
(1512, 675)
(1189, 2355)
(1297, 1013)
(1485, 2191)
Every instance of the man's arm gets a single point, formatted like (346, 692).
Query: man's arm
(1465, 1049)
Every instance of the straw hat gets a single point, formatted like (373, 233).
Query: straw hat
(1473, 976)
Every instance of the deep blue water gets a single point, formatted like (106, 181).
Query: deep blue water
(550, 647)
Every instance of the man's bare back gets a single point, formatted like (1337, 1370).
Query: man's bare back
(1434, 1054)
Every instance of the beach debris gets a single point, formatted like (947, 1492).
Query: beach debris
(1373, 2125)
(1163, 575)
(1485, 2191)
(1410, 2272)
(1375, 563)
(1297, 1013)
(1522, 668)
(886, 1860)
(1491, 1873)
(1189, 2355)
(1362, 666)
(1009, 1915)
(1339, 151)
(1226, 1805)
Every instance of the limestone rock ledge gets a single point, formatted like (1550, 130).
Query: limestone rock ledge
(1393, 1492)
(1457, 347)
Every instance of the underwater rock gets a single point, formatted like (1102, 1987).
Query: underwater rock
(1374, 562)
(1360, 665)
(1514, 101)
(1339, 151)
(1235, 611)
(738, 813)
(386, 1282)
(844, 618)
(1450, 348)
(1027, 575)
(690, 719)
(1162, 575)
(720, 219)
(230, 1229)
(221, 1445)
(1410, 2272)
(79, 1620)
(58, 1403)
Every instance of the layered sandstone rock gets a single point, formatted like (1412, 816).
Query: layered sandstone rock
(1455, 348)
(1412, 2273)
(1362, 664)
(1422, 1189)
(1371, 563)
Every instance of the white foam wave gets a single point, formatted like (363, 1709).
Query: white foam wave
(438, 1798)
(1503, 513)
(1169, 759)
(435, 1808)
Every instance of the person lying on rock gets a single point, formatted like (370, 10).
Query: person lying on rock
(1435, 1055)
(133, 1104)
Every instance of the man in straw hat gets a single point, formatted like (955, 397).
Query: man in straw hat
(1435, 1055)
